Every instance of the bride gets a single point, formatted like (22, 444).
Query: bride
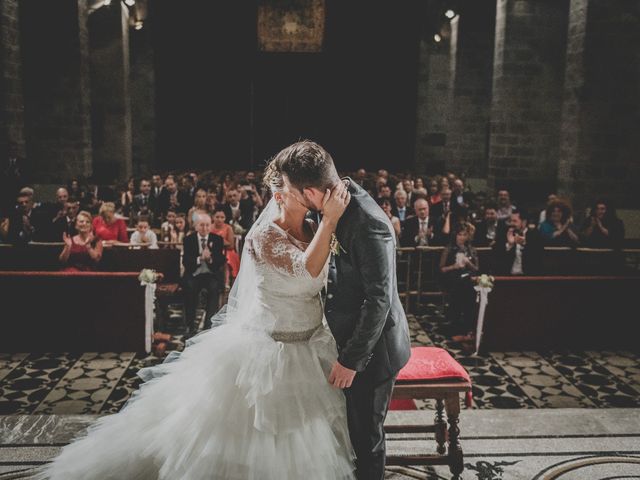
(248, 399)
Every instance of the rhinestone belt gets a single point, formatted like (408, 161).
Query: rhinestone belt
(291, 337)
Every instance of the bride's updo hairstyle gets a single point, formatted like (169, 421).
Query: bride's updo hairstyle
(272, 179)
(306, 164)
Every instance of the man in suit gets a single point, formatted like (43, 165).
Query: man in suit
(487, 229)
(362, 306)
(519, 248)
(203, 260)
(66, 223)
(421, 229)
(440, 209)
(171, 197)
(461, 197)
(144, 203)
(402, 210)
(27, 223)
(238, 210)
(157, 186)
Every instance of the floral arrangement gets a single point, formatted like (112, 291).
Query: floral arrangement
(335, 246)
(485, 281)
(148, 275)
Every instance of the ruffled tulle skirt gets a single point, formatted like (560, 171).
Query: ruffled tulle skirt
(235, 404)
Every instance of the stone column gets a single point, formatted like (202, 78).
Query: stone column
(55, 56)
(11, 101)
(143, 99)
(468, 139)
(110, 97)
(433, 103)
(529, 61)
(601, 113)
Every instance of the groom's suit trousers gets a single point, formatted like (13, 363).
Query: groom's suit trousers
(367, 404)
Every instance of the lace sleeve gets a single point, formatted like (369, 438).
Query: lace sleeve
(273, 248)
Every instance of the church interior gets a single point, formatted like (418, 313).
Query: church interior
(512, 124)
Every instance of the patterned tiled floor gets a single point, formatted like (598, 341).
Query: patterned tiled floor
(101, 383)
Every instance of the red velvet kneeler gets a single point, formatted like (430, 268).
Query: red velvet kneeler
(428, 365)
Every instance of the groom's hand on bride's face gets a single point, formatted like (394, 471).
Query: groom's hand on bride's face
(341, 377)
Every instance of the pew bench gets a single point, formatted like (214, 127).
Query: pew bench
(433, 374)
(72, 312)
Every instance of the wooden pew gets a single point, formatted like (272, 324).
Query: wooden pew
(559, 312)
(72, 312)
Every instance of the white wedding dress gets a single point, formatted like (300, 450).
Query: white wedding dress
(246, 400)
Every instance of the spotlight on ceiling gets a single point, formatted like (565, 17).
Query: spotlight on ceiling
(450, 14)
(437, 38)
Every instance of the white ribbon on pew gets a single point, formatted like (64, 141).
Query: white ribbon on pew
(149, 305)
(483, 299)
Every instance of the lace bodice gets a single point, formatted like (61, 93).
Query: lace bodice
(285, 287)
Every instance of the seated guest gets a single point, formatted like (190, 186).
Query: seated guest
(459, 261)
(420, 230)
(519, 248)
(237, 213)
(199, 205)
(444, 206)
(385, 204)
(603, 228)
(460, 196)
(83, 251)
(552, 197)
(75, 190)
(26, 223)
(402, 210)
(127, 196)
(224, 230)
(203, 262)
(250, 201)
(211, 205)
(171, 197)
(505, 207)
(384, 192)
(434, 192)
(143, 235)
(419, 190)
(454, 218)
(66, 222)
(144, 203)
(157, 186)
(107, 227)
(486, 230)
(180, 230)
(558, 229)
(168, 226)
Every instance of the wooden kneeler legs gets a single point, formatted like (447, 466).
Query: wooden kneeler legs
(448, 448)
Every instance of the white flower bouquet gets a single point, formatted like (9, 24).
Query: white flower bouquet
(148, 275)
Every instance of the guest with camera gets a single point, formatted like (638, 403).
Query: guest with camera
(459, 261)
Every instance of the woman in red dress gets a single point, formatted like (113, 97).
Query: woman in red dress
(83, 251)
(107, 227)
(224, 230)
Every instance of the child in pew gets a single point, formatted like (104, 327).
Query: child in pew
(144, 236)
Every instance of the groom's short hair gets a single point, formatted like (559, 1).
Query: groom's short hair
(306, 164)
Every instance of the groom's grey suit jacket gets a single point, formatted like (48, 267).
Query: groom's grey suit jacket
(362, 306)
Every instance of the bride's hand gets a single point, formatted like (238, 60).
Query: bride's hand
(335, 203)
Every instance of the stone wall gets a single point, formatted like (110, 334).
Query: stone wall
(55, 56)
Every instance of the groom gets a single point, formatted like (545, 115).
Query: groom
(362, 307)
